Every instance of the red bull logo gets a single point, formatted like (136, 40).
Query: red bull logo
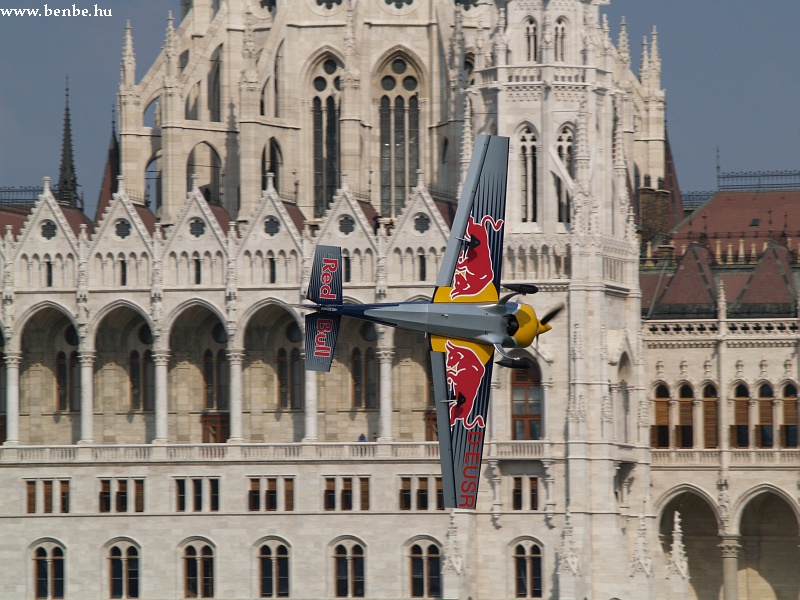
(321, 346)
(474, 270)
(329, 267)
(465, 373)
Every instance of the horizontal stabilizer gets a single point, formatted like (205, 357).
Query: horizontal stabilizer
(325, 285)
(321, 333)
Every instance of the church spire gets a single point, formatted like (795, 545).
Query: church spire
(128, 66)
(67, 180)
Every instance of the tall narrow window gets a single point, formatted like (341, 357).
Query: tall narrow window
(208, 378)
(62, 384)
(64, 491)
(528, 571)
(789, 429)
(325, 122)
(684, 434)
(215, 86)
(135, 378)
(49, 572)
(405, 493)
(330, 493)
(297, 383)
(124, 572)
(531, 40)
(349, 569)
(740, 434)
(764, 430)
(423, 271)
(710, 417)
(274, 567)
(74, 382)
(288, 494)
(358, 378)
(528, 172)
(426, 571)
(283, 379)
(276, 73)
(123, 272)
(148, 381)
(560, 39)
(399, 134)
(370, 379)
(347, 493)
(659, 431)
(564, 150)
(198, 271)
(364, 483)
(527, 401)
(198, 572)
(48, 266)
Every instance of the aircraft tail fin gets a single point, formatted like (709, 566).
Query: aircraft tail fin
(322, 330)
(325, 286)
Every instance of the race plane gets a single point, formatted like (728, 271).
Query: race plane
(466, 320)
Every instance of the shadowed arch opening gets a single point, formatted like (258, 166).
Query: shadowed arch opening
(699, 524)
(769, 553)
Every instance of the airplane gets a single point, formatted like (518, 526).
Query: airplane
(466, 320)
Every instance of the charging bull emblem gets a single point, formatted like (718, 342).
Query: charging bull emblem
(474, 270)
(465, 373)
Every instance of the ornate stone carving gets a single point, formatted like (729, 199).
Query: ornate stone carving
(641, 561)
(453, 559)
(678, 562)
(569, 561)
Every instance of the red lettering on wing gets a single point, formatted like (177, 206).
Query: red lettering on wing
(471, 470)
(321, 346)
(329, 266)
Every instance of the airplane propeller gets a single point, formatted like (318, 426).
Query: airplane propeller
(552, 313)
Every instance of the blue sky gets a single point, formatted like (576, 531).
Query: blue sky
(730, 70)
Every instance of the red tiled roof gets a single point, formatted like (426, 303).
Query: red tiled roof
(296, 215)
(691, 288)
(222, 216)
(76, 218)
(770, 283)
(447, 209)
(14, 216)
(148, 218)
(749, 214)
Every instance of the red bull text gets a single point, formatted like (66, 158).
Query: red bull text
(471, 470)
(474, 270)
(465, 373)
(321, 346)
(329, 266)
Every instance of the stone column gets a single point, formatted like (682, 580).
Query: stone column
(674, 419)
(12, 397)
(752, 418)
(777, 423)
(161, 362)
(385, 358)
(311, 407)
(235, 358)
(87, 397)
(730, 567)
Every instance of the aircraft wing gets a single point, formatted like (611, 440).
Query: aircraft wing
(462, 381)
(473, 260)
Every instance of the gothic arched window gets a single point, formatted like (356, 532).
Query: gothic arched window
(789, 428)
(528, 570)
(659, 432)
(271, 162)
(710, 420)
(560, 39)
(764, 431)
(215, 86)
(527, 403)
(123, 571)
(62, 383)
(325, 115)
(565, 153)
(208, 378)
(198, 572)
(529, 178)
(531, 40)
(740, 430)
(273, 562)
(399, 133)
(349, 570)
(48, 560)
(426, 571)
(204, 163)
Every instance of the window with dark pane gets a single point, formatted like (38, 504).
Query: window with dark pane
(398, 122)
(528, 175)
(527, 400)
(325, 122)
(123, 228)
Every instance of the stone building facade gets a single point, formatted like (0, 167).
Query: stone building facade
(161, 438)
